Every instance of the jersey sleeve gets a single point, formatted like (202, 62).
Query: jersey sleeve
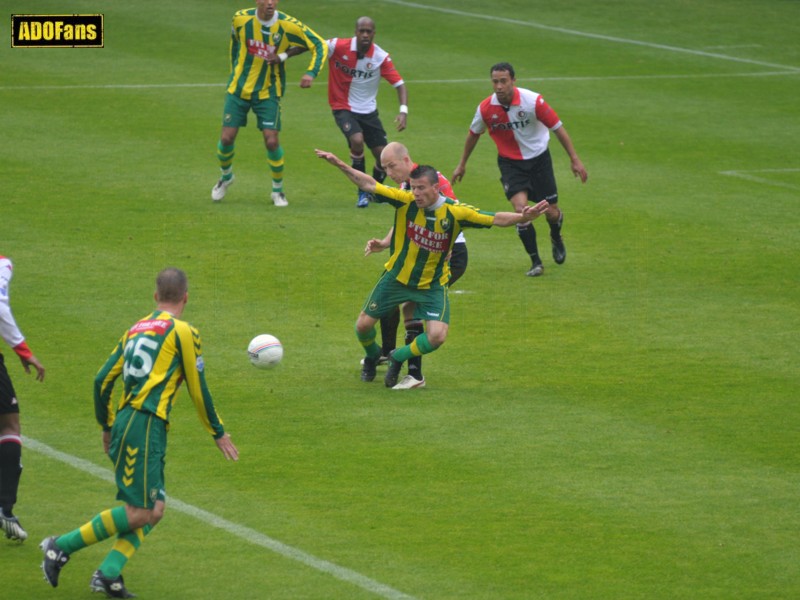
(304, 36)
(194, 374)
(478, 126)
(8, 326)
(234, 43)
(546, 115)
(389, 72)
(105, 409)
(445, 189)
(393, 196)
(469, 216)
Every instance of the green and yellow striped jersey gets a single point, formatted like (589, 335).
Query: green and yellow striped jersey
(423, 238)
(154, 357)
(252, 41)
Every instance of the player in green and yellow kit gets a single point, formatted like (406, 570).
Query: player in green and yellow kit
(153, 357)
(260, 39)
(425, 228)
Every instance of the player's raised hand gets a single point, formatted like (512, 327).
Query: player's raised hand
(329, 156)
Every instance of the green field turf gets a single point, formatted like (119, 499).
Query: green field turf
(623, 427)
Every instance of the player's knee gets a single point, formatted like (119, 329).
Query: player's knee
(9, 424)
(138, 517)
(357, 144)
(364, 324)
(228, 135)
(271, 139)
(437, 339)
(157, 513)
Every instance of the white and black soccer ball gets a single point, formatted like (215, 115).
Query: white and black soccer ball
(265, 351)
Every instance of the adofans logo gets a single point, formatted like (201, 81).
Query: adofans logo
(56, 31)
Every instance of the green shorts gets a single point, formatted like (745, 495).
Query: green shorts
(431, 305)
(137, 449)
(268, 112)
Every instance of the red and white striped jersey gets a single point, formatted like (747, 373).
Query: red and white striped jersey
(353, 82)
(521, 130)
(8, 326)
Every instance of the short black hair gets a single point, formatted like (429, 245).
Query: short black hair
(503, 66)
(427, 171)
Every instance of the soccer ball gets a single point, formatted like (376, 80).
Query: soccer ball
(265, 351)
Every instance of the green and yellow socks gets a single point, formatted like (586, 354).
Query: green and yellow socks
(225, 157)
(275, 160)
(107, 524)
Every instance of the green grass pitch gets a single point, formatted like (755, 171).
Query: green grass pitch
(624, 427)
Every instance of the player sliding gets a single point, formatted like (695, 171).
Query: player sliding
(426, 225)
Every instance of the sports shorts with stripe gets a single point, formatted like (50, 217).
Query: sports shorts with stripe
(137, 449)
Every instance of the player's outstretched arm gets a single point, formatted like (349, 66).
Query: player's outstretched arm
(364, 182)
(529, 213)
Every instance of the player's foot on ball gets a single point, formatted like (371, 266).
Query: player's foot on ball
(409, 382)
(54, 560)
(112, 588)
(279, 199)
(559, 250)
(220, 189)
(368, 368)
(392, 372)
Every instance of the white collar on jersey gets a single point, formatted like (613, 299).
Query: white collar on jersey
(438, 203)
(354, 48)
(269, 23)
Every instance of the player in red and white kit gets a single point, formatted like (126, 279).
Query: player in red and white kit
(356, 66)
(519, 122)
(10, 437)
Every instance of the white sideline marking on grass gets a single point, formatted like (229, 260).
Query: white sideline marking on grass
(596, 36)
(729, 46)
(481, 80)
(617, 77)
(247, 534)
(746, 175)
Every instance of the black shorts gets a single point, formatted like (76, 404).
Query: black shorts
(369, 124)
(534, 175)
(8, 397)
(458, 262)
